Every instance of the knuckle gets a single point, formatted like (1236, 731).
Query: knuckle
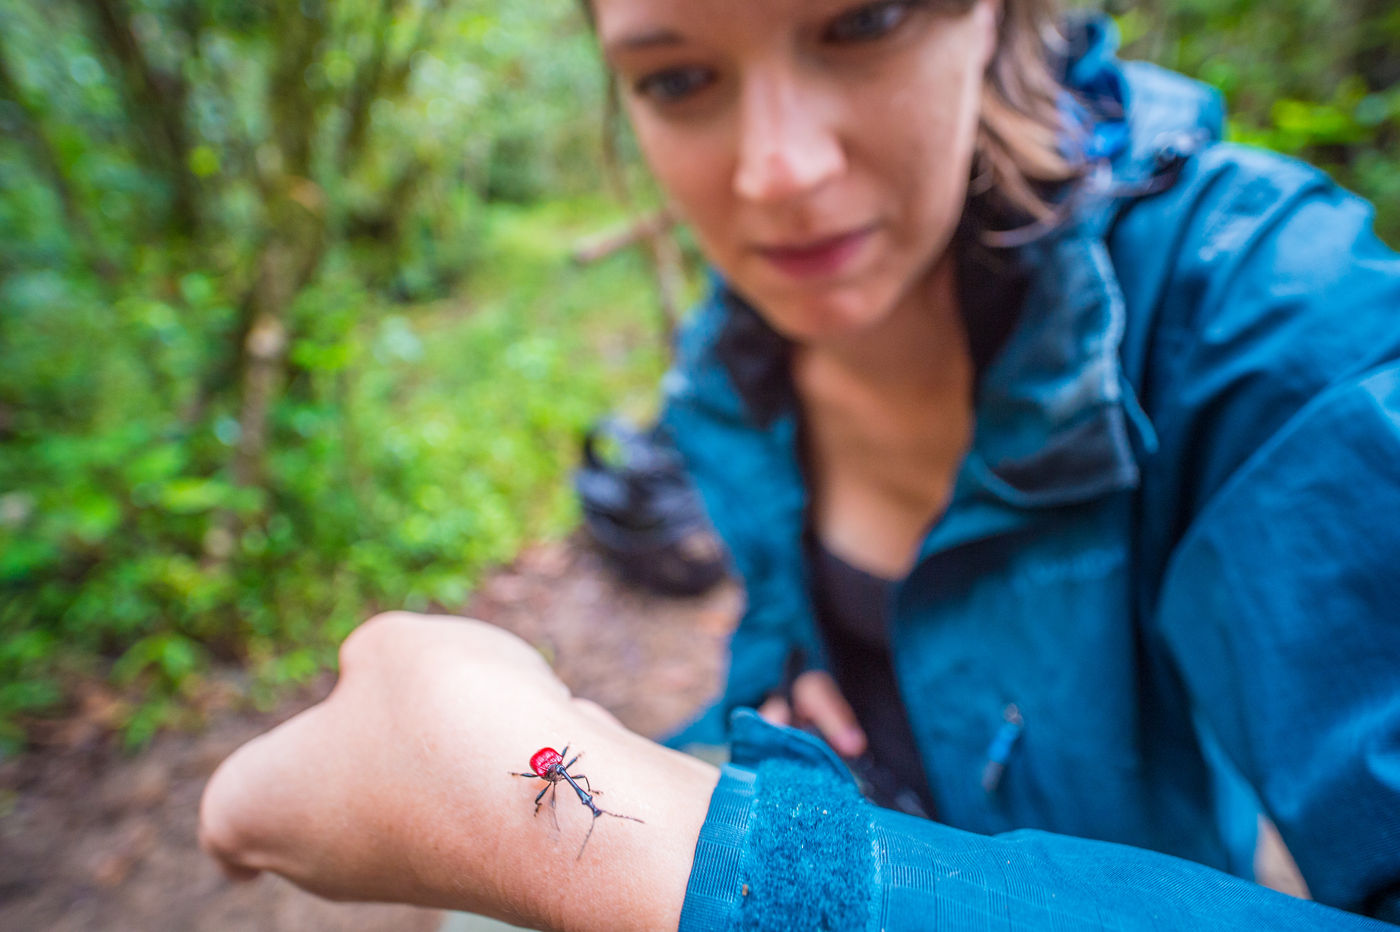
(389, 620)
(220, 834)
(368, 643)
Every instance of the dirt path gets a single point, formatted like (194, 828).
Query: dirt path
(93, 840)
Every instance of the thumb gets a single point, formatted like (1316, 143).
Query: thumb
(817, 699)
(776, 710)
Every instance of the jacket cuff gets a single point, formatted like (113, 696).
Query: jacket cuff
(787, 839)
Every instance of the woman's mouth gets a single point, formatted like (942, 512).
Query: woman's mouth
(816, 258)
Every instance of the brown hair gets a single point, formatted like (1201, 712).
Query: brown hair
(1020, 157)
(1021, 131)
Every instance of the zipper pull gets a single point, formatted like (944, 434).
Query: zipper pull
(1000, 748)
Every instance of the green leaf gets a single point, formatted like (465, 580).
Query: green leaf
(29, 695)
(172, 656)
(160, 462)
(23, 558)
(204, 161)
(188, 496)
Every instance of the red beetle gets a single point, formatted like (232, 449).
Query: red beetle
(548, 765)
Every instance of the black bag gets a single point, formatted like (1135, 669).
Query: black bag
(643, 513)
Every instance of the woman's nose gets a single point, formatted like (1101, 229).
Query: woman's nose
(787, 145)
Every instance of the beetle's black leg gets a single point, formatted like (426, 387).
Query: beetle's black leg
(553, 804)
(591, 822)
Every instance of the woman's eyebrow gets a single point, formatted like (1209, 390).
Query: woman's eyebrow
(643, 40)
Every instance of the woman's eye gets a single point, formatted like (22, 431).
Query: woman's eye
(867, 23)
(673, 84)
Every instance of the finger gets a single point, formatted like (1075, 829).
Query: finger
(210, 844)
(775, 709)
(816, 698)
(237, 872)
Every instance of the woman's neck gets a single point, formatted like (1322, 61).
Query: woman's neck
(887, 422)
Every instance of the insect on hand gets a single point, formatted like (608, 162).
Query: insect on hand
(548, 765)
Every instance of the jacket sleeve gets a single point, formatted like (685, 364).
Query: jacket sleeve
(1281, 610)
(1279, 605)
(790, 844)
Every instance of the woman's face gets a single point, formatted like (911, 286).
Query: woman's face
(820, 149)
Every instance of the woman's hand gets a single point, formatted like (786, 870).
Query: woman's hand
(817, 701)
(398, 787)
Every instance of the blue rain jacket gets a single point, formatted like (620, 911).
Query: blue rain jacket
(1174, 546)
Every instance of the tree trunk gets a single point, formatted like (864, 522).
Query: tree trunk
(291, 253)
(288, 260)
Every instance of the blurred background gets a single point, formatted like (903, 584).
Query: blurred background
(289, 329)
(289, 326)
(304, 306)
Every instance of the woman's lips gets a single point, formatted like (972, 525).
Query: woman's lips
(817, 258)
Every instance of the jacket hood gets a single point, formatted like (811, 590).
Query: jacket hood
(1135, 116)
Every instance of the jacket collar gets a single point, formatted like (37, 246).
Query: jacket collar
(1056, 420)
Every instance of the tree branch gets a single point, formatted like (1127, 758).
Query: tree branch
(365, 88)
(51, 165)
(155, 102)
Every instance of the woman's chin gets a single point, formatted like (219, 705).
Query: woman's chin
(824, 318)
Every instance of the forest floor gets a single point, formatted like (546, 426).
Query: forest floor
(91, 838)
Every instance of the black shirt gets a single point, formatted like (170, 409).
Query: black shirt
(852, 609)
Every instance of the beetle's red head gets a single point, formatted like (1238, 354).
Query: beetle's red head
(543, 759)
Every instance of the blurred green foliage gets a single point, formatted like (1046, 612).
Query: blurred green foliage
(1316, 79)
(435, 354)
(288, 326)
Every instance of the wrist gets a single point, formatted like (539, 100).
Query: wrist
(631, 874)
(489, 851)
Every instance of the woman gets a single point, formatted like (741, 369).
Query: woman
(1058, 439)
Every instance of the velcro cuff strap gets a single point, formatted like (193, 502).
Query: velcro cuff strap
(787, 844)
